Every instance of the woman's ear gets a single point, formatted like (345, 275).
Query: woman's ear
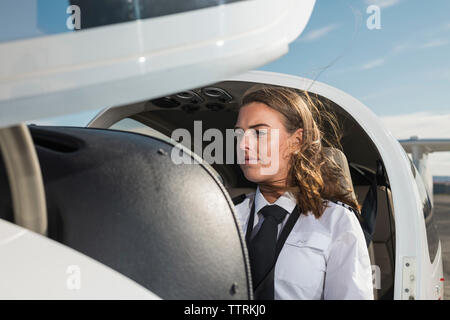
(296, 139)
(299, 136)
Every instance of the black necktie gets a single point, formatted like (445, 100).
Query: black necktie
(262, 248)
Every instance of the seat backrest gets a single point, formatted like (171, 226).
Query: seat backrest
(340, 159)
(383, 238)
(346, 183)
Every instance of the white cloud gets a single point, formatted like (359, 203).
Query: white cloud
(318, 33)
(373, 64)
(368, 65)
(383, 3)
(439, 164)
(434, 43)
(426, 43)
(401, 47)
(423, 125)
(435, 36)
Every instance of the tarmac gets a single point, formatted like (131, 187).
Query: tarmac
(442, 220)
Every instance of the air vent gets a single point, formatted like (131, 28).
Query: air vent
(190, 96)
(218, 94)
(166, 103)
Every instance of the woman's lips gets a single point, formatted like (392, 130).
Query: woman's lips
(249, 160)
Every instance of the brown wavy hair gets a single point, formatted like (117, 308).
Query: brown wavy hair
(313, 177)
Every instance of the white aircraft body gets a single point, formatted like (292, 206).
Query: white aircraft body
(94, 213)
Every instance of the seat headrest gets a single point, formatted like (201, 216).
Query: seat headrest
(340, 159)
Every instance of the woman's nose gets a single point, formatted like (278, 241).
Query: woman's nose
(247, 141)
(243, 145)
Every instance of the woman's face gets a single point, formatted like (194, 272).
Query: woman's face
(264, 143)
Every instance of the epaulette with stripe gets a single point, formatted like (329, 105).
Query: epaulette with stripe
(238, 199)
(346, 206)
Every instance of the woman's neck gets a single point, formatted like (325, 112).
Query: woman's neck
(270, 194)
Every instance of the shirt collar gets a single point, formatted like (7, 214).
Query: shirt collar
(286, 201)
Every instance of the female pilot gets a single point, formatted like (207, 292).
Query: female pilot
(302, 241)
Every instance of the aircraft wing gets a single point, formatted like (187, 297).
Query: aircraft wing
(419, 149)
(428, 145)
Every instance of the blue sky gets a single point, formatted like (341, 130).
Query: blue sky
(21, 19)
(401, 68)
(401, 71)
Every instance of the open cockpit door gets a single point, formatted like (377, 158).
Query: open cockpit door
(215, 108)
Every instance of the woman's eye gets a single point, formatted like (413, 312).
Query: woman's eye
(261, 132)
(239, 134)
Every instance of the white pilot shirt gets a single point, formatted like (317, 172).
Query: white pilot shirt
(325, 258)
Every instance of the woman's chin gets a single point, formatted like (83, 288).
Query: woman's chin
(252, 172)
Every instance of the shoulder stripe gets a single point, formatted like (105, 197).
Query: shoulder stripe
(346, 206)
(238, 199)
